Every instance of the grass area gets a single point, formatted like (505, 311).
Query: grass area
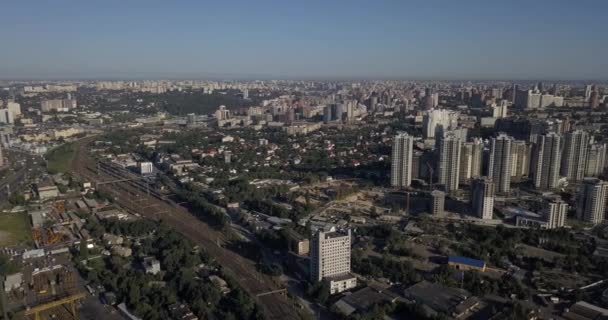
(14, 229)
(59, 159)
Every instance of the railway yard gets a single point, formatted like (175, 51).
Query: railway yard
(137, 197)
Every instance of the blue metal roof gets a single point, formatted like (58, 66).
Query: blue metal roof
(467, 261)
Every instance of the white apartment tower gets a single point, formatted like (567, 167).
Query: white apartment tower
(499, 167)
(500, 110)
(547, 155)
(554, 212)
(575, 154)
(449, 162)
(482, 197)
(330, 260)
(591, 205)
(437, 121)
(596, 160)
(401, 160)
(471, 160)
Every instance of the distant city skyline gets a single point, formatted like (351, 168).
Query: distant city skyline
(434, 40)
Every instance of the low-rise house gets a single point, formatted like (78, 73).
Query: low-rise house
(121, 251)
(181, 311)
(47, 190)
(13, 282)
(151, 265)
(111, 239)
(221, 283)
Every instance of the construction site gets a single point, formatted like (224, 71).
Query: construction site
(138, 197)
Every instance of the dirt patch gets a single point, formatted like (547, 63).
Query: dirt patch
(4, 236)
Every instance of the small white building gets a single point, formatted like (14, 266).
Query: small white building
(146, 167)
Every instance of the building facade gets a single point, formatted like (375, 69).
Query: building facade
(499, 167)
(449, 162)
(547, 161)
(482, 197)
(591, 205)
(330, 260)
(401, 160)
(575, 154)
(554, 212)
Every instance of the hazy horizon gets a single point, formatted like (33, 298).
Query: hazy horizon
(443, 40)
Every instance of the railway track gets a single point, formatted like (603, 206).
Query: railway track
(134, 196)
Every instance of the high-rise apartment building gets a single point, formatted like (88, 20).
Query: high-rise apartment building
(547, 161)
(471, 160)
(499, 166)
(591, 205)
(521, 154)
(330, 260)
(500, 110)
(482, 197)
(575, 154)
(554, 212)
(437, 202)
(401, 161)
(437, 121)
(449, 162)
(596, 160)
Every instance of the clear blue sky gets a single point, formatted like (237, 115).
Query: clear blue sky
(452, 39)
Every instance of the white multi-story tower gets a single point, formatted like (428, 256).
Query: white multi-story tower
(500, 110)
(401, 161)
(330, 260)
(499, 168)
(554, 212)
(449, 162)
(482, 197)
(575, 155)
(437, 202)
(596, 160)
(437, 121)
(591, 205)
(547, 155)
(471, 160)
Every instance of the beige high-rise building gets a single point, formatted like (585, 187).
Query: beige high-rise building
(573, 161)
(401, 160)
(499, 167)
(330, 260)
(591, 205)
(520, 159)
(482, 197)
(449, 162)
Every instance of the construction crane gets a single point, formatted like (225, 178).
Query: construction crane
(70, 300)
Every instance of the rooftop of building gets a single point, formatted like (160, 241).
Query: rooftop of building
(437, 297)
(466, 261)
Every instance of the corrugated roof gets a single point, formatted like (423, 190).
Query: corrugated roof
(467, 261)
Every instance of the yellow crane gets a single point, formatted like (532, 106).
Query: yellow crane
(71, 300)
